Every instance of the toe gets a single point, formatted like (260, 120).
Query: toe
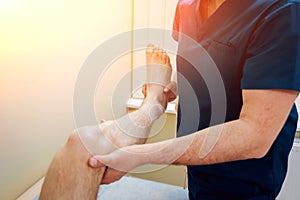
(150, 46)
(168, 62)
(155, 55)
(149, 49)
(161, 57)
(165, 58)
(149, 52)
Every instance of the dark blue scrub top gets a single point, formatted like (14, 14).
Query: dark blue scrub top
(255, 45)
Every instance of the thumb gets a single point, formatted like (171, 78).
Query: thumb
(95, 162)
(166, 89)
(172, 86)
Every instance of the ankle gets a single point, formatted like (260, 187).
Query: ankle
(152, 99)
(156, 95)
(152, 109)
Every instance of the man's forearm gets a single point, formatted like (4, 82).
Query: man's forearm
(262, 117)
(231, 141)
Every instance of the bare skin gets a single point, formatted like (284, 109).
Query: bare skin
(69, 176)
(263, 115)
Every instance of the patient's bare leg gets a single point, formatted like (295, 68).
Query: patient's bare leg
(134, 127)
(68, 176)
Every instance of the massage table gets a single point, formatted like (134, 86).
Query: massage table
(127, 188)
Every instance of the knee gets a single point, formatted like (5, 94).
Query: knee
(73, 139)
(69, 152)
(92, 139)
(81, 139)
(73, 143)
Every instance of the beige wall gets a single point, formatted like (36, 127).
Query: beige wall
(298, 104)
(42, 46)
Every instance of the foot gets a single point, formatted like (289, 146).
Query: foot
(159, 72)
(133, 128)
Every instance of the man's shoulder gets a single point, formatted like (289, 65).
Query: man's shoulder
(294, 1)
(277, 7)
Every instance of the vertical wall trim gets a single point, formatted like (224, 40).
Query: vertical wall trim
(148, 20)
(165, 19)
(132, 48)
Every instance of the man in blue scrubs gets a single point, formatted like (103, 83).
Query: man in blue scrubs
(255, 45)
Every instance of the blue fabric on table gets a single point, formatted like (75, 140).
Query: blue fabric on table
(129, 188)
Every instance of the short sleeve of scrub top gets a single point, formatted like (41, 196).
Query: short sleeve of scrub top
(273, 55)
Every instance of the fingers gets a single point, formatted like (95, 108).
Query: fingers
(111, 175)
(123, 159)
(171, 90)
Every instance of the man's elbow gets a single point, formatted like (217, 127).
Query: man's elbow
(260, 147)
(258, 153)
(258, 141)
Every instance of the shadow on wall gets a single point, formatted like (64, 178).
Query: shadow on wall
(42, 46)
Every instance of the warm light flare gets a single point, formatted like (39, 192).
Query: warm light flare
(8, 3)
